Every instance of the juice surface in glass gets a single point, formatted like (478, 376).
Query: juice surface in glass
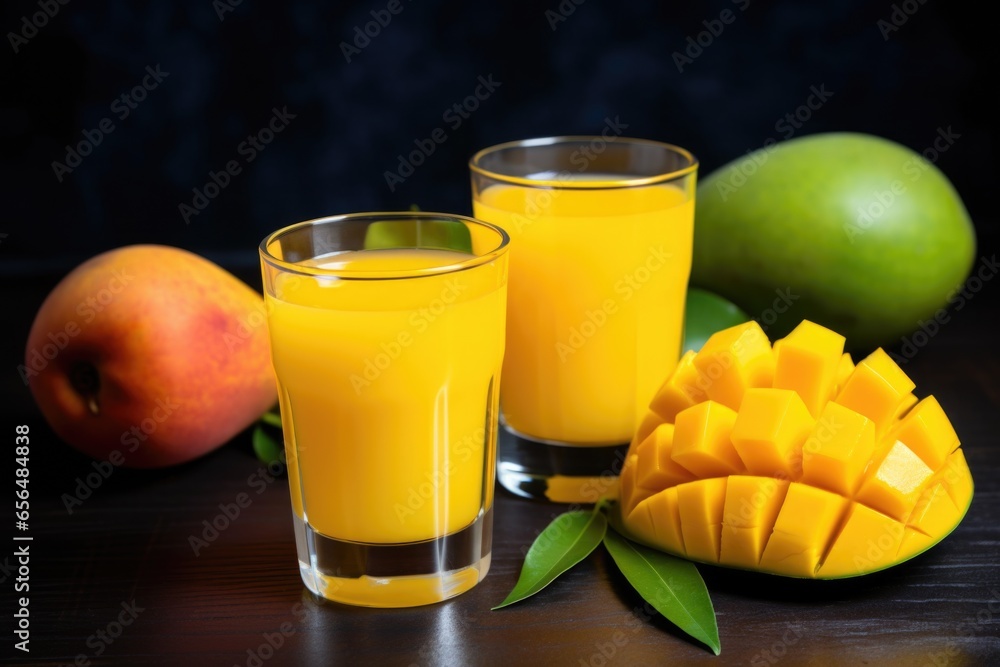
(386, 384)
(598, 279)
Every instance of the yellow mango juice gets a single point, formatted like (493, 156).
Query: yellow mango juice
(598, 279)
(385, 384)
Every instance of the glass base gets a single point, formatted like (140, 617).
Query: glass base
(558, 472)
(394, 575)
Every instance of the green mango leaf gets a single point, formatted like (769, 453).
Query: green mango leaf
(705, 313)
(671, 585)
(267, 449)
(272, 418)
(418, 233)
(570, 538)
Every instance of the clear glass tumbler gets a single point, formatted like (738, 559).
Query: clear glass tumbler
(387, 338)
(601, 237)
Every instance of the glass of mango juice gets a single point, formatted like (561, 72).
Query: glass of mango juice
(601, 237)
(387, 338)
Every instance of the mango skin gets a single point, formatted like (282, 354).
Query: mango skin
(793, 223)
(180, 351)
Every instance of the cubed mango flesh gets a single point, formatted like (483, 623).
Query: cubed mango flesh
(875, 389)
(665, 507)
(769, 432)
(647, 426)
(933, 511)
(655, 467)
(894, 484)
(702, 443)
(807, 520)
(640, 523)
(751, 507)
(957, 479)
(904, 406)
(793, 460)
(734, 360)
(868, 541)
(628, 490)
(807, 363)
(844, 370)
(681, 390)
(838, 450)
(701, 505)
(927, 430)
(933, 515)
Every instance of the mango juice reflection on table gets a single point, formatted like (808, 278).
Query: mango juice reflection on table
(601, 238)
(388, 361)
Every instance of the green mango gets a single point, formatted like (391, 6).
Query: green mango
(704, 314)
(851, 231)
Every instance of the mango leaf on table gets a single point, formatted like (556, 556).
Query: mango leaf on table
(570, 538)
(671, 585)
(272, 418)
(267, 449)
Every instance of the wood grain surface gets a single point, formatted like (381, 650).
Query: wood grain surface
(125, 554)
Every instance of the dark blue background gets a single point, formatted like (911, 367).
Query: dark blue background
(353, 119)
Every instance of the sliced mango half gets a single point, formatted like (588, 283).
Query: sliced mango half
(790, 459)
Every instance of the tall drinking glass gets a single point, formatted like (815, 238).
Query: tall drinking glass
(387, 337)
(601, 238)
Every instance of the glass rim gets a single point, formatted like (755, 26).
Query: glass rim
(557, 183)
(389, 274)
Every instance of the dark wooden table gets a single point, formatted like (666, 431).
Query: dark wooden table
(124, 556)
